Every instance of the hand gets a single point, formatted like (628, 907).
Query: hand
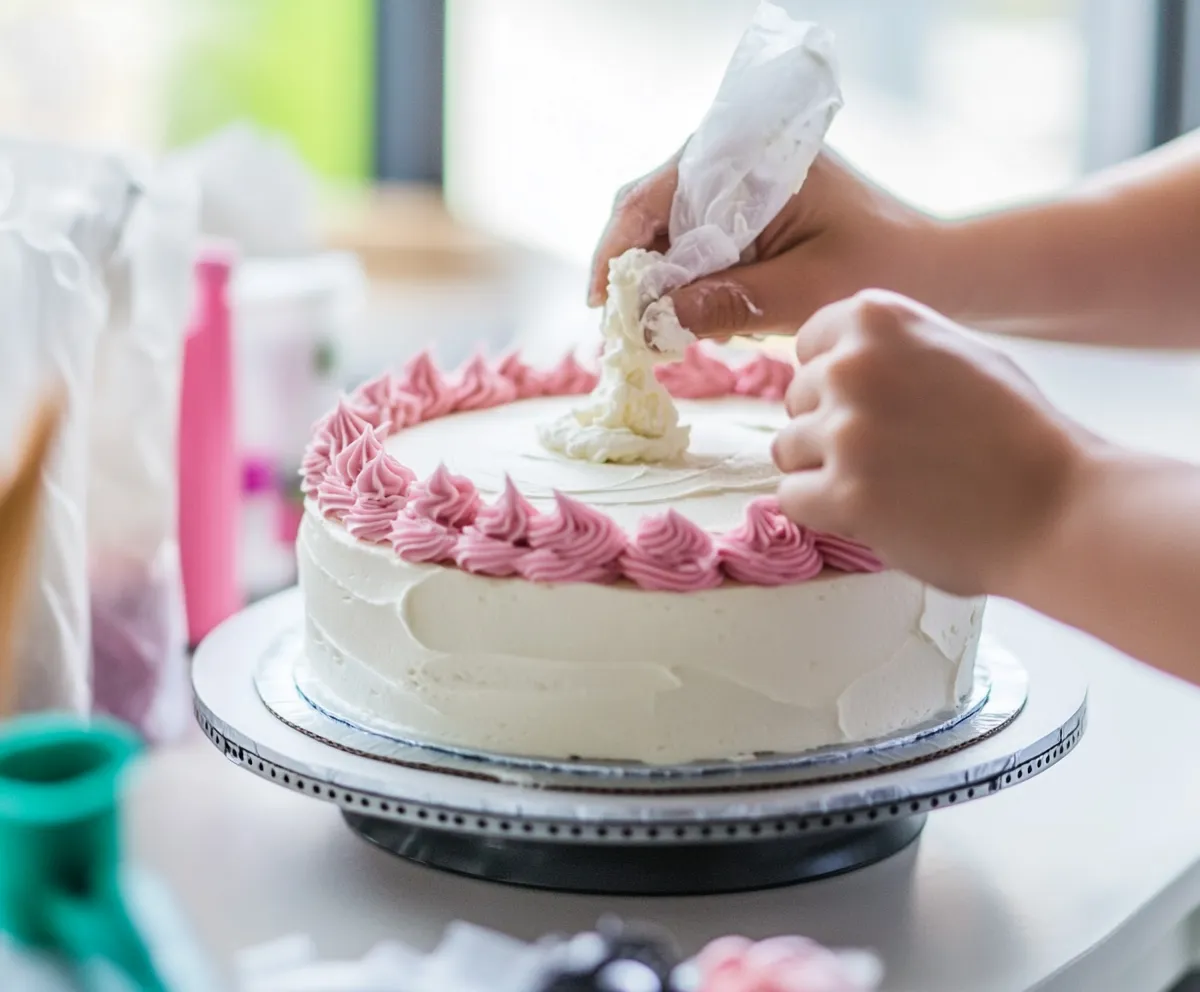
(838, 235)
(923, 443)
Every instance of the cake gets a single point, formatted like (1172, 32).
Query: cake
(466, 586)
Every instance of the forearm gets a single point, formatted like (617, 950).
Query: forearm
(1115, 262)
(1123, 561)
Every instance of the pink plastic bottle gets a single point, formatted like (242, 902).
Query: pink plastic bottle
(209, 481)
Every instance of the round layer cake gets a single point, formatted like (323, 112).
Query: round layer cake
(464, 586)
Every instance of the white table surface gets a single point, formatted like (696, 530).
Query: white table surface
(1085, 878)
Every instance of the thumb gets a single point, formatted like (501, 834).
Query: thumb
(807, 497)
(747, 299)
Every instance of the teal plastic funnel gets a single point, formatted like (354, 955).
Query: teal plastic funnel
(60, 865)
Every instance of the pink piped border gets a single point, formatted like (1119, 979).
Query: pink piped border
(434, 519)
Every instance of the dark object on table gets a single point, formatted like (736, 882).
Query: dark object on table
(617, 957)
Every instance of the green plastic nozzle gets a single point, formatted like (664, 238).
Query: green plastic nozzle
(60, 864)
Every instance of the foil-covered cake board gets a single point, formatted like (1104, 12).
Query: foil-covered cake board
(609, 827)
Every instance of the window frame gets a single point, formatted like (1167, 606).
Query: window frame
(410, 61)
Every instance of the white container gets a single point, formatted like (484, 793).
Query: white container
(293, 321)
(293, 318)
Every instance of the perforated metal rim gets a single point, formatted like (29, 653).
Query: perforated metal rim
(564, 830)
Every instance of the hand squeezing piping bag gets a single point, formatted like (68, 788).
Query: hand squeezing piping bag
(750, 154)
(65, 896)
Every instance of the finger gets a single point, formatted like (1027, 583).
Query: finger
(805, 498)
(825, 329)
(747, 299)
(799, 446)
(640, 217)
(885, 315)
(804, 392)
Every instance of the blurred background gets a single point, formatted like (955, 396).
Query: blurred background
(449, 163)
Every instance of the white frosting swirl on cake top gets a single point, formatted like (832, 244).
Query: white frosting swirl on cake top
(630, 416)
(728, 463)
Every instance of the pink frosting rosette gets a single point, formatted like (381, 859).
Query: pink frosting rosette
(387, 403)
(422, 540)
(353, 458)
(527, 380)
(422, 381)
(331, 434)
(768, 549)
(764, 377)
(575, 543)
(335, 495)
(568, 378)
(380, 493)
(783, 964)
(435, 512)
(673, 554)
(480, 387)
(697, 376)
(313, 467)
(446, 499)
(846, 555)
(499, 539)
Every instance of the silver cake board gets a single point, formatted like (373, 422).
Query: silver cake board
(623, 828)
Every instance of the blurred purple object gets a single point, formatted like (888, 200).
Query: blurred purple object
(258, 475)
(132, 632)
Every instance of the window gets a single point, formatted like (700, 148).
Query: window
(957, 105)
(80, 71)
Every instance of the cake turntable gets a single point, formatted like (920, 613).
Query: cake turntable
(618, 828)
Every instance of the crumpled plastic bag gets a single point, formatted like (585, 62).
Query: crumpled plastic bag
(750, 154)
(138, 636)
(95, 287)
(60, 214)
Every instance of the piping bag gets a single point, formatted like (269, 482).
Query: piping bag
(749, 156)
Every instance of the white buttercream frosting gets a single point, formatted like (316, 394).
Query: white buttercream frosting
(616, 672)
(727, 465)
(662, 329)
(629, 416)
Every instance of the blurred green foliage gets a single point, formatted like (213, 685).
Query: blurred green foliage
(302, 68)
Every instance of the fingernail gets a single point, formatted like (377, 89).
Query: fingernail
(594, 299)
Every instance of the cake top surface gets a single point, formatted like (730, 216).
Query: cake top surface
(727, 464)
(451, 470)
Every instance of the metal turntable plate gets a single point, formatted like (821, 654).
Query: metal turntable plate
(620, 828)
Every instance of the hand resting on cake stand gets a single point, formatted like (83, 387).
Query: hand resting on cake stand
(919, 439)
